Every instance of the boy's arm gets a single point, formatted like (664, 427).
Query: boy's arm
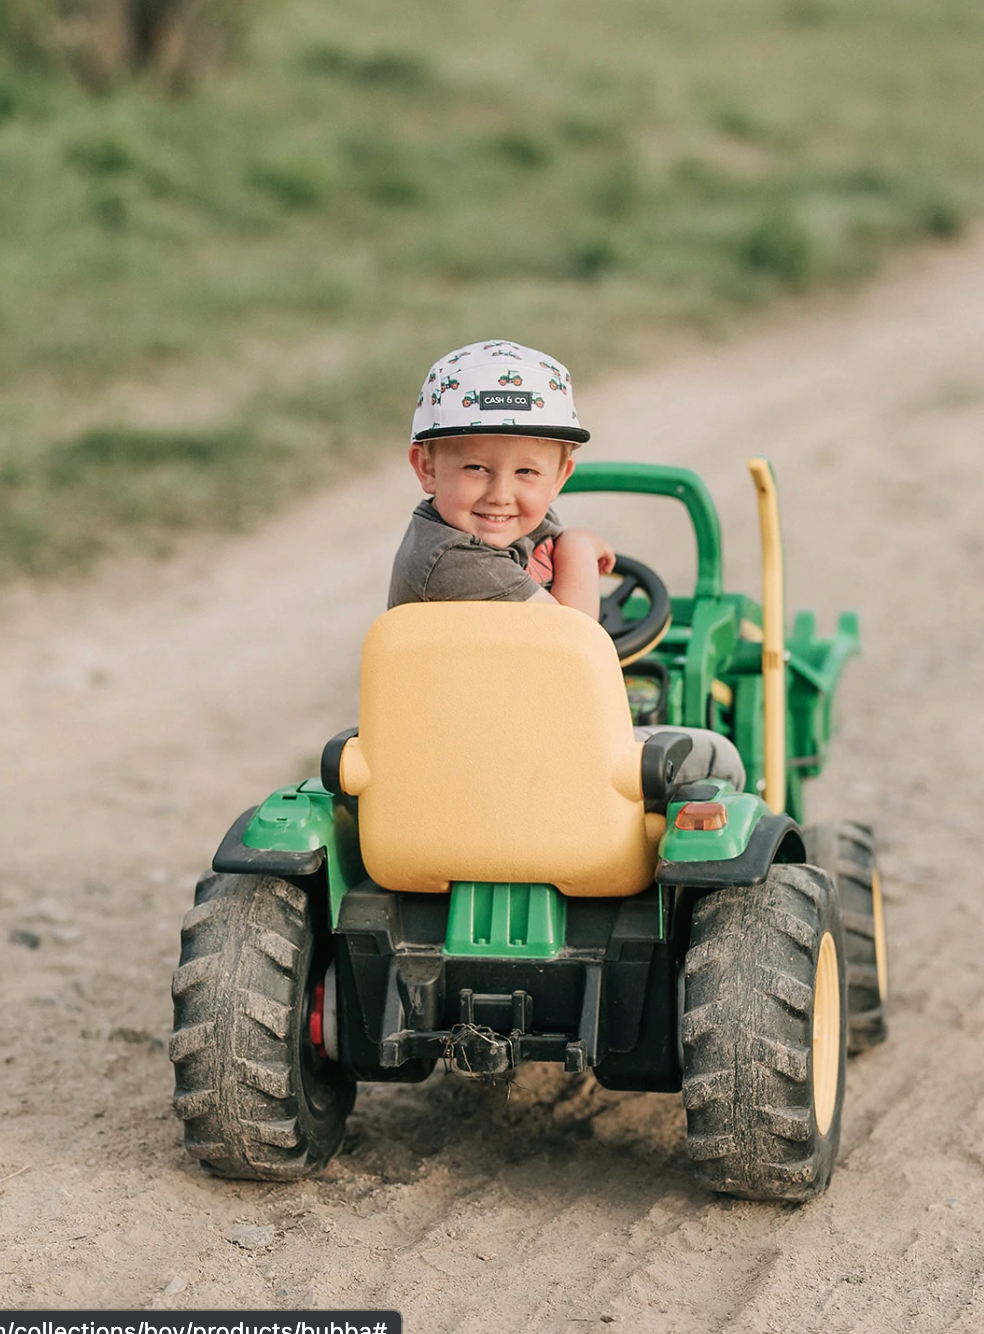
(580, 558)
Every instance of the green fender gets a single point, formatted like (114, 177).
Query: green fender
(744, 810)
(741, 853)
(297, 832)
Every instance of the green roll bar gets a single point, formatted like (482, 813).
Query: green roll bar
(661, 480)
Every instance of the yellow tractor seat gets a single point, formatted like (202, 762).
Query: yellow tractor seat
(495, 744)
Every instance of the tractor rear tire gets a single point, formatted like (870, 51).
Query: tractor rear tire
(257, 1099)
(847, 851)
(764, 1036)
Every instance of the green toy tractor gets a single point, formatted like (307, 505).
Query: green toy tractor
(504, 863)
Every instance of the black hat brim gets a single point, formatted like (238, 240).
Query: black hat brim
(575, 435)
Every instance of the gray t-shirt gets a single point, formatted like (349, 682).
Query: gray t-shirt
(438, 563)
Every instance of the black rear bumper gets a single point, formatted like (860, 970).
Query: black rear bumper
(607, 1003)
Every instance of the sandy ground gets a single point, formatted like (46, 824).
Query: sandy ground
(143, 710)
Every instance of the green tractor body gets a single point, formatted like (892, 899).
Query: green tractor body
(301, 975)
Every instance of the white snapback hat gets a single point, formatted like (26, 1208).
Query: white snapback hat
(497, 388)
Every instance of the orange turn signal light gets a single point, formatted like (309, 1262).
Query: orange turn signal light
(702, 815)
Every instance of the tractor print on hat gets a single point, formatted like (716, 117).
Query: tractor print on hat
(557, 376)
(515, 355)
(511, 377)
(447, 382)
(470, 399)
(457, 356)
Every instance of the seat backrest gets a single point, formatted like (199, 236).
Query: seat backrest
(495, 744)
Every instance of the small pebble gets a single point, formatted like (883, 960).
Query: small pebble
(176, 1285)
(18, 936)
(250, 1238)
(66, 935)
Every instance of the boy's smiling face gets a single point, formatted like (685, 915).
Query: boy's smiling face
(495, 487)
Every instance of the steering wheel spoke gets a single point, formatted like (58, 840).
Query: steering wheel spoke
(625, 589)
(632, 638)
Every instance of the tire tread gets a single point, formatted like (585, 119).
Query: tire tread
(250, 1110)
(747, 1036)
(847, 850)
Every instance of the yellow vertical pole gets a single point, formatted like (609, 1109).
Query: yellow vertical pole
(773, 635)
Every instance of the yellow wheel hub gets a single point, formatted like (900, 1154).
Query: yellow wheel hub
(881, 946)
(826, 1034)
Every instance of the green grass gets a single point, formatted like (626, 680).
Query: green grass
(383, 182)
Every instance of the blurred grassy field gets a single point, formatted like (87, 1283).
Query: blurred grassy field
(210, 303)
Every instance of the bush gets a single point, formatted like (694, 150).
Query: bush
(781, 246)
(942, 217)
(175, 42)
(407, 74)
(296, 184)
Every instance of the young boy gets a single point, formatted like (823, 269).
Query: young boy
(492, 443)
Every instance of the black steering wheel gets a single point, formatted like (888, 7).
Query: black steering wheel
(633, 639)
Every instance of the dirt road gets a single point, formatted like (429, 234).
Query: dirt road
(143, 711)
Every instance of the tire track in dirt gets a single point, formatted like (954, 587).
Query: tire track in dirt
(143, 710)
